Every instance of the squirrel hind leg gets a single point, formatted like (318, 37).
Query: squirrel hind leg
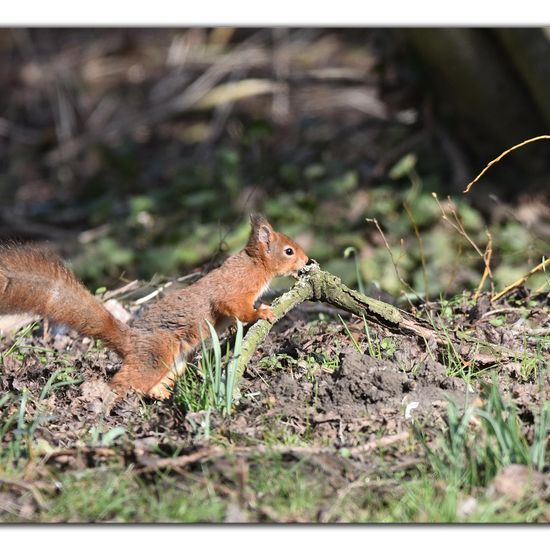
(152, 378)
(161, 389)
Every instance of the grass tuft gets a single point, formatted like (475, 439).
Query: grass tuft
(211, 387)
(481, 441)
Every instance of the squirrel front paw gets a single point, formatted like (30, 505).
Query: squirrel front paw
(265, 312)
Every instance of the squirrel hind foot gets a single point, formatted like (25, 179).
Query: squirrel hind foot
(162, 389)
(152, 378)
(148, 382)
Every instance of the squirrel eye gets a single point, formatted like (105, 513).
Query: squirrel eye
(289, 251)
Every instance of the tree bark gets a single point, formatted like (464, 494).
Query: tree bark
(491, 86)
(529, 51)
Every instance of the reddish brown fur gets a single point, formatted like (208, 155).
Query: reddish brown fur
(31, 280)
(155, 348)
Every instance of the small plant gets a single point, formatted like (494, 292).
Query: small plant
(388, 347)
(352, 251)
(310, 364)
(212, 387)
(274, 363)
(373, 345)
(17, 345)
(350, 335)
(378, 348)
(529, 364)
(482, 440)
(100, 438)
(19, 421)
(454, 363)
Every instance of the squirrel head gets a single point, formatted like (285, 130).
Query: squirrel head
(278, 253)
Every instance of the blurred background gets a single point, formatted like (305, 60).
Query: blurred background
(140, 152)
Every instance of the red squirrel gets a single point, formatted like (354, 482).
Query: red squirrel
(155, 348)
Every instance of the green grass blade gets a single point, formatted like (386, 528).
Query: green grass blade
(217, 361)
(232, 369)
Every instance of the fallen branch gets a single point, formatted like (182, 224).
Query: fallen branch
(25, 486)
(318, 285)
(522, 280)
(153, 463)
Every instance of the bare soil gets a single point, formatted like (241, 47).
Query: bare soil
(308, 391)
(290, 378)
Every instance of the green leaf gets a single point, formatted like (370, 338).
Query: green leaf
(112, 434)
(403, 166)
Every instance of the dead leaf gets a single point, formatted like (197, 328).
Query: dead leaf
(117, 310)
(10, 324)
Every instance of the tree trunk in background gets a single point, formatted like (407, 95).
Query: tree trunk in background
(492, 87)
(529, 50)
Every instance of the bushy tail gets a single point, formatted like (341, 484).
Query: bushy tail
(35, 281)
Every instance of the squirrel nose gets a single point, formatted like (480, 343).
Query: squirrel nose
(311, 261)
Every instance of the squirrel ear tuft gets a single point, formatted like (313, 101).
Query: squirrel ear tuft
(257, 220)
(261, 229)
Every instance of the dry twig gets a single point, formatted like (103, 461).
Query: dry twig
(502, 155)
(521, 280)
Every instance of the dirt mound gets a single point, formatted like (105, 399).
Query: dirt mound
(363, 384)
(361, 396)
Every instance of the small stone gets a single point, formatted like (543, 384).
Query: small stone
(515, 481)
(466, 507)
(235, 514)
